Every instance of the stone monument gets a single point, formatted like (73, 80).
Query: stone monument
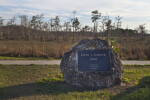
(91, 63)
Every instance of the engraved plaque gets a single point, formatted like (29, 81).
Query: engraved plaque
(94, 60)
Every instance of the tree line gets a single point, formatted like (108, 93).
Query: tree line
(101, 24)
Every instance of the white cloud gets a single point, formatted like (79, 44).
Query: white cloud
(132, 11)
(85, 12)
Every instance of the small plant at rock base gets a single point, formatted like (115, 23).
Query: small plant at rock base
(124, 79)
(114, 46)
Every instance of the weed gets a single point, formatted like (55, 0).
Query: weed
(125, 80)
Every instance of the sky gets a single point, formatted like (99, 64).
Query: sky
(133, 12)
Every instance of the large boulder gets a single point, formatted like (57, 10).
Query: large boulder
(74, 76)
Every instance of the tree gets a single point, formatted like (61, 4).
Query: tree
(39, 24)
(141, 30)
(76, 24)
(86, 28)
(39, 21)
(1, 21)
(24, 23)
(24, 20)
(67, 26)
(45, 26)
(1, 24)
(118, 19)
(104, 19)
(118, 23)
(51, 22)
(12, 21)
(108, 26)
(56, 23)
(33, 22)
(96, 15)
(73, 19)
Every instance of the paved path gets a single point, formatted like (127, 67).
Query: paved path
(135, 62)
(57, 62)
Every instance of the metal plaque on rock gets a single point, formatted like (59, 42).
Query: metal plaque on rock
(94, 60)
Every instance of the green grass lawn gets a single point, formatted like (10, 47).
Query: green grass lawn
(47, 83)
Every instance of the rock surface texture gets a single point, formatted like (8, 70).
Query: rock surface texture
(102, 79)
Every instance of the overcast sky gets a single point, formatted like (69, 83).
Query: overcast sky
(133, 12)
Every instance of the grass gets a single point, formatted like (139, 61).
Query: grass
(128, 47)
(25, 58)
(47, 83)
(133, 73)
(33, 49)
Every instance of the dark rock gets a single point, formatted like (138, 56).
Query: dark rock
(69, 67)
